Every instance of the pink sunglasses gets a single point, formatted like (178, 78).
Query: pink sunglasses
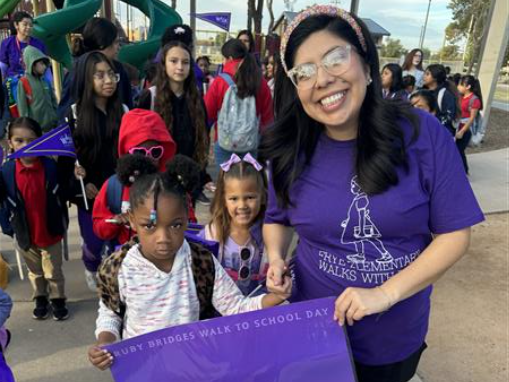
(156, 152)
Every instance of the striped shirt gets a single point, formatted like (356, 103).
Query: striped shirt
(155, 299)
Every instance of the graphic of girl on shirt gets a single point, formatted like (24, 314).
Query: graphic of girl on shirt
(358, 229)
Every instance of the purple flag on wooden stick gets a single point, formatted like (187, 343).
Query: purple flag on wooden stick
(291, 343)
(219, 19)
(56, 142)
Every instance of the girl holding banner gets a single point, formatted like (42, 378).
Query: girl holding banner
(375, 191)
(135, 283)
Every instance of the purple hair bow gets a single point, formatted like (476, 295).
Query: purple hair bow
(234, 159)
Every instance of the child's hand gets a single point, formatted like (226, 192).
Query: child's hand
(284, 291)
(79, 172)
(91, 191)
(275, 276)
(100, 358)
(122, 219)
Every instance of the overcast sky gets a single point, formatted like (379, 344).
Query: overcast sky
(402, 18)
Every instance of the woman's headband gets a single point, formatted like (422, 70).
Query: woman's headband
(318, 10)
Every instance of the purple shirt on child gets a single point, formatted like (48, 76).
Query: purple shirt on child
(350, 239)
(11, 53)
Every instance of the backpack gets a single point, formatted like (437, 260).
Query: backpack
(237, 122)
(12, 84)
(440, 97)
(203, 273)
(477, 128)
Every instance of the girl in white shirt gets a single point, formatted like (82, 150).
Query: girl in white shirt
(156, 280)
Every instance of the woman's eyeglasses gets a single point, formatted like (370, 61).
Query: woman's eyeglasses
(101, 76)
(244, 270)
(155, 152)
(336, 62)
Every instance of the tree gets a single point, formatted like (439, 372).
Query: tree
(271, 14)
(469, 20)
(392, 48)
(449, 53)
(255, 13)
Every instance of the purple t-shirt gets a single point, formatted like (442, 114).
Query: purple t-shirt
(11, 54)
(348, 238)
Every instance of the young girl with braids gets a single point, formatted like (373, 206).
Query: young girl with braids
(163, 264)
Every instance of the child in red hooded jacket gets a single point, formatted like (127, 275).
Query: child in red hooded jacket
(141, 132)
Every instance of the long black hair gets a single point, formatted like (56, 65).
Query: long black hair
(291, 143)
(397, 77)
(475, 86)
(248, 75)
(439, 74)
(250, 37)
(87, 133)
(98, 34)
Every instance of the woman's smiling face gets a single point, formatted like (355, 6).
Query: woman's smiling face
(334, 101)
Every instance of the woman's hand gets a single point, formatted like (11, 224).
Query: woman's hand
(284, 291)
(275, 277)
(356, 303)
(100, 358)
(91, 191)
(459, 134)
(79, 172)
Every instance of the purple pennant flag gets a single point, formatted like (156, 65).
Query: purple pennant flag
(219, 19)
(5, 371)
(56, 142)
(291, 343)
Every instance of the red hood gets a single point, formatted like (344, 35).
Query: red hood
(231, 66)
(138, 126)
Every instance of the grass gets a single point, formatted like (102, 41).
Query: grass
(502, 94)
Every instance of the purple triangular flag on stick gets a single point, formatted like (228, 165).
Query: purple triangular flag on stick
(219, 19)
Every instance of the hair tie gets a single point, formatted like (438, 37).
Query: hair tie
(234, 159)
(179, 30)
(153, 216)
(317, 10)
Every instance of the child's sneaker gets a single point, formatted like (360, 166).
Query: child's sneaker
(60, 311)
(41, 311)
(91, 280)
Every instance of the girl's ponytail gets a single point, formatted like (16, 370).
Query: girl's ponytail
(248, 74)
(475, 86)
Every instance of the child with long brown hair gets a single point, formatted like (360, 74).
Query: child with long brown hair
(237, 212)
(176, 98)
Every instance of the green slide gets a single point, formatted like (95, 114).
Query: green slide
(53, 27)
(161, 16)
(7, 6)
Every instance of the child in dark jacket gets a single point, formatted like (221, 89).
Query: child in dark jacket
(33, 189)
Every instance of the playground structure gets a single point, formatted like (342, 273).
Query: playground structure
(54, 27)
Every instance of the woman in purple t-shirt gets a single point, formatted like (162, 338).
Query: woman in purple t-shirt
(373, 188)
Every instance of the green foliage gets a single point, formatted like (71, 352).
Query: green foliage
(449, 53)
(392, 48)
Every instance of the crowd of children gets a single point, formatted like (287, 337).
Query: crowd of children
(142, 155)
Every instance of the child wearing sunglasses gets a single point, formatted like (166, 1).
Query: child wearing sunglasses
(237, 213)
(143, 133)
